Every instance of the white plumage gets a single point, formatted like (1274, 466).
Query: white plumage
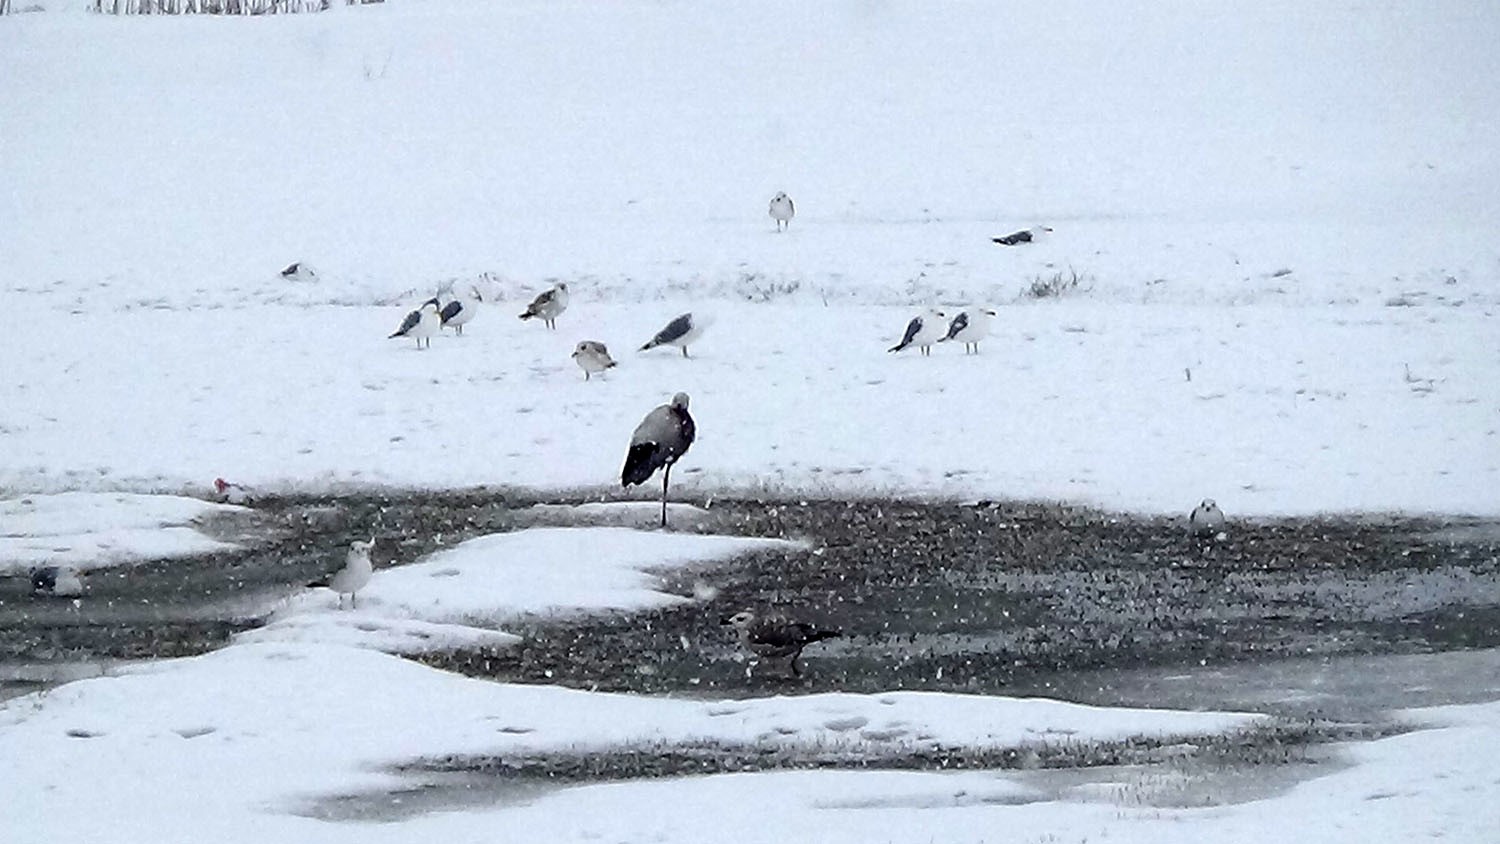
(782, 210)
(592, 356)
(970, 326)
(354, 575)
(461, 309)
(924, 329)
(422, 324)
(548, 305)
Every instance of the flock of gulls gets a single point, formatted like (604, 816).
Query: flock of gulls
(658, 442)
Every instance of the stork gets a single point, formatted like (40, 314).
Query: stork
(662, 437)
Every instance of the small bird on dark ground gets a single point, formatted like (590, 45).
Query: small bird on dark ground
(775, 637)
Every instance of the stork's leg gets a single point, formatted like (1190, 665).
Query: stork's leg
(665, 476)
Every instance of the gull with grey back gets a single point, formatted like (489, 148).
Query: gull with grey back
(548, 305)
(969, 327)
(681, 331)
(924, 329)
(422, 323)
(1206, 520)
(592, 356)
(659, 442)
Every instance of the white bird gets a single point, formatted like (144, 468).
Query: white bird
(782, 210)
(1206, 519)
(299, 271)
(60, 581)
(229, 493)
(970, 326)
(777, 637)
(658, 442)
(680, 332)
(548, 305)
(461, 310)
(1030, 235)
(923, 330)
(422, 323)
(591, 356)
(356, 572)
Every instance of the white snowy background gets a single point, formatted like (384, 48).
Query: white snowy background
(1283, 217)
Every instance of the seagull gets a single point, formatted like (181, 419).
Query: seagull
(60, 581)
(591, 357)
(231, 493)
(354, 575)
(422, 323)
(776, 637)
(680, 332)
(1206, 519)
(457, 313)
(299, 271)
(1030, 235)
(782, 210)
(549, 305)
(923, 330)
(662, 437)
(970, 326)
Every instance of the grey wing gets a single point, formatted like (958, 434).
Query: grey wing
(911, 330)
(959, 323)
(543, 299)
(657, 427)
(451, 310)
(409, 323)
(675, 330)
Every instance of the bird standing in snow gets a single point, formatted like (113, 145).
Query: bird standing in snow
(548, 305)
(422, 323)
(591, 356)
(460, 310)
(970, 326)
(1030, 235)
(680, 332)
(923, 330)
(1206, 520)
(782, 210)
(658, 442)
(354, 575)
(58, 581)
(775, 637)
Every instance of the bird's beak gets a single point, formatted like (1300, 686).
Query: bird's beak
(725, 621)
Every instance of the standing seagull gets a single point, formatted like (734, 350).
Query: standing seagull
(970, 326)
(458, 312)
(1206, 520)
(548, 305)
(354, 575)
(59, 581)
(680, 332)
(662, 437)
(782, 210)
(923, 330)
(1030, 235)
(591, 356)
(422, 323)
(776, 637)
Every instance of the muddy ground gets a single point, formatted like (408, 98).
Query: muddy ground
(988, 598)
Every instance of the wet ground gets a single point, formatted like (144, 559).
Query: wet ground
(1329, 622)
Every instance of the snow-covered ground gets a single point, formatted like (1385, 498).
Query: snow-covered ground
(1282, 216)
(97, 530)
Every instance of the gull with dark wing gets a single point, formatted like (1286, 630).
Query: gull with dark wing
(776, 637)
(1030, 235)
(461, 309)
(548, 305)
(422, 323)
(57, 581)
(924, 329)
(658, 442)
(680, 332)
(970, 326)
